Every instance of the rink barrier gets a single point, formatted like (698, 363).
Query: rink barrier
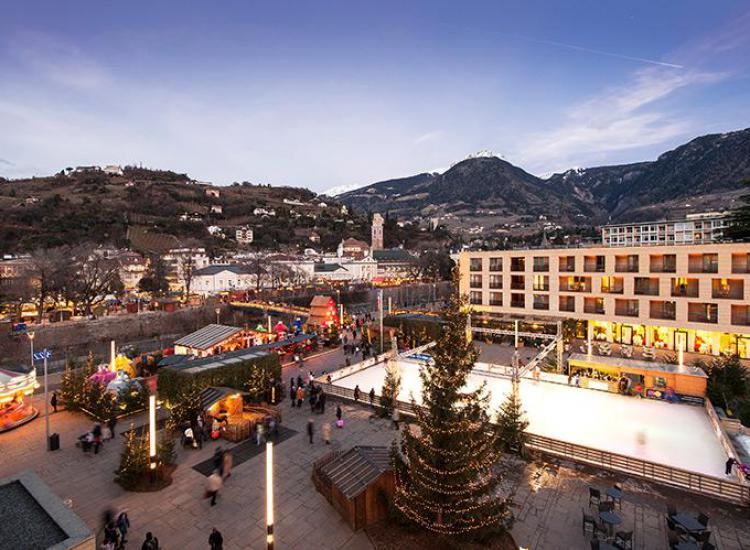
(721, 434)
(723, 489)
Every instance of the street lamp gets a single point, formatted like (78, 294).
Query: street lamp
(31, 341)
(152, 430)
(218, 313)
(269, 495)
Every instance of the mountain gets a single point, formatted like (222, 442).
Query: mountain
(706, 173)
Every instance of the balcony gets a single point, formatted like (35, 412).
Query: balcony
(517, 282)
(626, 308)
(567, 264)
(541, 301)
(703, 313)
(663, 310)
(740, 263)
(741, 315)
(703, 263)
(541, 264)
(496, 282)
(684, 288)
(567, 303)
(575, 284)
(475, 298)
(626, 264)
(727, 289)
(518, 300)
(475, 281)
(518, 264)
(645, 286)
(594, 264)
(475, 264)
(613, 285)
(593, 305)
(663, 263)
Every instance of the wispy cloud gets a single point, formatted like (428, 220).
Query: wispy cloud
(620, 118)
(429, 136)
(57, 61)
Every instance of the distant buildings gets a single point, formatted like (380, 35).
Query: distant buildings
(244, 235)
(377, 232)
(222, 278)
(703, 228)
(353, 248)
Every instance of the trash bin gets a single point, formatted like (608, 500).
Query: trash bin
(54, 442)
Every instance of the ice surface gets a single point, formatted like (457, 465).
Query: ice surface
(678, 435)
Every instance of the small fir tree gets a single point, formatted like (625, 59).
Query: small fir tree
(186, 408)
(444, 471)
(391, 388)
(511, 423)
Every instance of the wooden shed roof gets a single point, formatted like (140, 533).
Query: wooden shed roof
(353, 471)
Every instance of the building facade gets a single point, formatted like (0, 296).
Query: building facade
(697, 296)
(377, 231)
(222, 278)
(694, 229)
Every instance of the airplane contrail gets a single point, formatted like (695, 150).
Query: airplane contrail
(602, 52)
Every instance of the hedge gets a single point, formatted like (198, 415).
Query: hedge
(252, 375)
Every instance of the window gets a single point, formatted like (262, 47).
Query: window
(703, 313)
(567, 303)
(626, 308)
(496, 281)
(567, 264)
(541, 282)
(684, 287)
(703, 263)
(496, 264)
(475, 298)
(475, 281)
(594, 263)
(741, 315)
(475, 264)
(663, 310)
(727, 289)
(575, 284)
(613, 285)
(660, 382)
(627, 264)
(518, 264)
(517, 282)
(541, 263)
(593, 305)
(740, 263)
(663, 263)
(517, 300)
(646, 286)
(541, 301)
(496, 298)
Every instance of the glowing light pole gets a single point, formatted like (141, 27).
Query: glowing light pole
(218, 315)
(380, 308)
(269, 495)
(31, 341)
(152, 431)
(516, 335)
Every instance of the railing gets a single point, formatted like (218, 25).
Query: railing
(483, 330)
(720, 432)
(724, 489)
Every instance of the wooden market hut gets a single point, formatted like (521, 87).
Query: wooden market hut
(655, 377)
(357, 483)
(323, 312)
(210, 340)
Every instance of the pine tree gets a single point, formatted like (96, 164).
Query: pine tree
(739, 228)
(444, 472)
(134, 460)
(186, 408)
(511, 423)
(391, 388)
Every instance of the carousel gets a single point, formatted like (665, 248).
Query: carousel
(14, 389)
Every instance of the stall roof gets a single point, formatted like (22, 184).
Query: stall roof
(353, 471)
(171, 360)
(208, 336)
(212, 394)
(636, 364)
(293, 340)
(219, 360)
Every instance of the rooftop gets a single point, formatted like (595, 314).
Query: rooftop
(208, 336)
(393, 255)
(353, 471)
(215, 269)
(221, 360)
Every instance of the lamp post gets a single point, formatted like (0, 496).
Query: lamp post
(46, 401)
(218, 314)
(152, 431)
(31, 341)
(269, 495)
(380, 308)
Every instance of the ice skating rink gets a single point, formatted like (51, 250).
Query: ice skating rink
(677, 435)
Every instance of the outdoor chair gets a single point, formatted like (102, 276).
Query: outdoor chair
(674, 528)
(673, 539)
(671, 510)
(588, 521)
(595, 496)
(703, 536)
(703, 518)
(624, 540)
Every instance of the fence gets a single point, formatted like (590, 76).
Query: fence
(720, 432)
(723, 489)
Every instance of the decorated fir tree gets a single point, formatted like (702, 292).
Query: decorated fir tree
(391, 388)
(186, 408)
(511, 423)
(444, 471)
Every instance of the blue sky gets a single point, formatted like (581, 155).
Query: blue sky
(325, 94)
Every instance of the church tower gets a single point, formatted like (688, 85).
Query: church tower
(377, 232)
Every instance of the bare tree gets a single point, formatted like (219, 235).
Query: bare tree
(256, 266)
(48, 271)
(94, 277)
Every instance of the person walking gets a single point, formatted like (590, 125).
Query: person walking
(292, 393)
(325, 432)
(310, 429)
(215, 540)
(226, 462)
(339, 417)
(213, 484)
(97, 433)
(218, 459)
(112, 423)
(53, 401)
(123, 524)
(356, 393)
(322, 402)
(300, 396)
(151, 542)
(372, 397)
(729, 465)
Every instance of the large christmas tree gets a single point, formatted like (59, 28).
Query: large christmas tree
(444, 471)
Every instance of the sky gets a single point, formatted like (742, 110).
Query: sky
(327, 94)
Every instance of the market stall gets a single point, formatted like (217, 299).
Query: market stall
(15, 408)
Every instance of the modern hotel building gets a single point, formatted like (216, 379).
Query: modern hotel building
(640, 295)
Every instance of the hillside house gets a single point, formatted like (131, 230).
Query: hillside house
(212, 192)
(244, 235)
(353, 248)
(222, 278)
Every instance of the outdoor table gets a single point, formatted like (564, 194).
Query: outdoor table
(610, 518)
(614, 494)
(690, 523)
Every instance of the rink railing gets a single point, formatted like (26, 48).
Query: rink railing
(721, 433)
(723, 489)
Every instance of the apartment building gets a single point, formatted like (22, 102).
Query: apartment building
(633, 295)
(702, 228)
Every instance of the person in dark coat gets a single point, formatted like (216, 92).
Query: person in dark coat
(372, 397)
(97, 433)
(356, 392)
(292, 393)
(218, 460)
(322, 402)
(151, 542)
(215, 540)
(112, 424)
(338, 412)
(310, 429)
(53, 401)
